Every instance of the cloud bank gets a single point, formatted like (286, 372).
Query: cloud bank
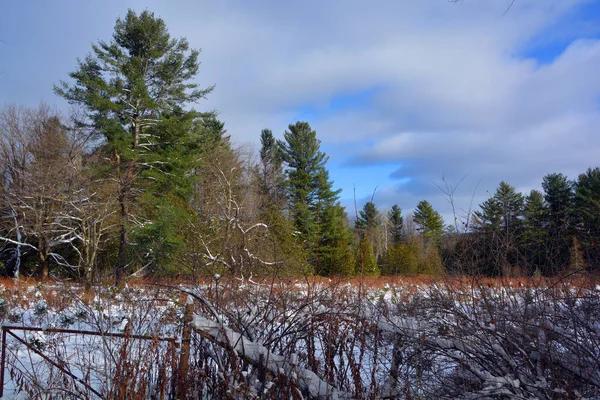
(401, 93)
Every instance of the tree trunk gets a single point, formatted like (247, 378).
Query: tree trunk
(44, 250)
(44, 268)
(184, 360)
(125, 183)
(124, 195)
(123, 241)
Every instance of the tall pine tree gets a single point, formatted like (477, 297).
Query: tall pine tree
(586, 214)
(270, 174)
(314, 204)
(368, 219)
(498, 222)
(136, 91)
(396, 224)
(559, 196)
(535, 232)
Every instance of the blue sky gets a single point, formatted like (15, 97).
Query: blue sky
(401, 93)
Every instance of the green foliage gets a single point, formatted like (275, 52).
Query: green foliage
(137, 78)
(412, 257)
(502, 210)
(334, 253)
(271, 180)
(282, 247)
(430, 223)
(535, 233)
(161, 243)
(136, 92)
(499, 223)
(314, 205)
(368, 219)
(586, 214)
(559, 197)
(401, 259)
(366, 264)
(396, 224)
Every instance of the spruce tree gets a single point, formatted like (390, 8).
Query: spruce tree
(535, 232)
(502, 210)
(586, 214)
(499, 222)
(559, 197)
(136, 91)
(270, 174)
(368, 219)
(313, 202)
(396, 224)
(366, 263)
(429, 221)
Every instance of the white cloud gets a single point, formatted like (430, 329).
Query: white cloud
(456, 95)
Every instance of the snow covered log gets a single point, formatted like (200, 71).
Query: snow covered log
(310, 384)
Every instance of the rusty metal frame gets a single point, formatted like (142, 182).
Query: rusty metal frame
(7, 330)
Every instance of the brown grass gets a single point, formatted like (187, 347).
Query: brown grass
(576, 279)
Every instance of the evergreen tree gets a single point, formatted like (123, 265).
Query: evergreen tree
(502, 210)
(283, 244)
(368, 219)
(137, 90)
(313, 202)
(498, 220)
(429, 221)
(335, 251)
(271, 180)
(586, 214)
(559, 197)
(534, 230)
(366, 264)
(396, 224)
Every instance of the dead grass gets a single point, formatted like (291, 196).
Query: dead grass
(575, 279)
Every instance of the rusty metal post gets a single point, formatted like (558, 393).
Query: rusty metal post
(3, 361)
(184, 354)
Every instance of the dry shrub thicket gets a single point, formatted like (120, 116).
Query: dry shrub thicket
(462, 338)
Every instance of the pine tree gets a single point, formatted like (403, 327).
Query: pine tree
(502, 210)
(336, 243)
(559, 197)
(396, 224)
(137, 90)
(534, 230)
(314, 204)
(368, 219)
(429, 222)
(283, 244)
(271, 179)
(498, 221)
(366, 264)
(586, 214)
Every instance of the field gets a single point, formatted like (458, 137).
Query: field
(404, 338)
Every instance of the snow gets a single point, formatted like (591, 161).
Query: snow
(422, 341)
(259, 354)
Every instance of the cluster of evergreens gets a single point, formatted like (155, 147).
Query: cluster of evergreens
(543, 233)
(546, 232)
(137, 181)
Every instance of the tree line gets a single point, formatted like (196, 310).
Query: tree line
(137, 181)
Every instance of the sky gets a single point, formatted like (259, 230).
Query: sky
(406, 96)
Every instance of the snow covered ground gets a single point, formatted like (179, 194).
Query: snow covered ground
(310, 339)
